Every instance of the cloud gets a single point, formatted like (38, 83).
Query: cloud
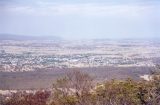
(86, 9)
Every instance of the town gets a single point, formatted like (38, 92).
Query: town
(31, 55)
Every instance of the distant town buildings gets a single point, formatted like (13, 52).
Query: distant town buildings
(35, 55)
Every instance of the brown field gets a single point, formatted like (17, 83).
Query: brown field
(41, 79)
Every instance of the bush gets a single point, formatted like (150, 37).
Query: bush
(23, 98)
(77, 88)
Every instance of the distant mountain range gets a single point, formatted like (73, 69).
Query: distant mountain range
(27, 37)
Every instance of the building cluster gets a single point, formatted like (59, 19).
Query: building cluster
(32, 56)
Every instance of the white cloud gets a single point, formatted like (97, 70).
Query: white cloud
(82, 9)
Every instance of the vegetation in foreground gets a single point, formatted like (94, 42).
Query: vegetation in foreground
(78, 88)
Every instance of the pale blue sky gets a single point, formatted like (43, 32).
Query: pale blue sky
(81, 18)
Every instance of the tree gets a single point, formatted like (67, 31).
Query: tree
(72, 89)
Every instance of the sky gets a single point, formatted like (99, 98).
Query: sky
(81, 19)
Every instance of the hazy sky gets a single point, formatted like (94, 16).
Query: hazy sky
(81, 18)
